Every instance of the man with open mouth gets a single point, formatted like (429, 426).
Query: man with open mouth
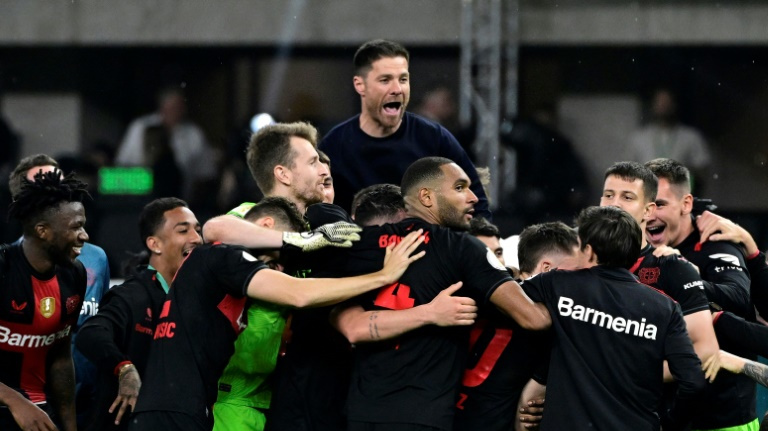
(378, 145)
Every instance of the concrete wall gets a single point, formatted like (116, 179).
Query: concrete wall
(340, 22)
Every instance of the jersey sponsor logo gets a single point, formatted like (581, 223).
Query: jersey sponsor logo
(249, 257)
(493, 260)
(733, 260)
(697, 283)
(396, 296)
(142, 329)
(165, 330)
(90, 308)
(648, 275)
(47, 306)
(16, 339)
(387, 240)
(567, 308)
(18, 307)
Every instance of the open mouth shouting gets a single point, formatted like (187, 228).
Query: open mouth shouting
(393, 109)
(655, 233)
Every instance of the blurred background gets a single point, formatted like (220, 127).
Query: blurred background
(519, 82)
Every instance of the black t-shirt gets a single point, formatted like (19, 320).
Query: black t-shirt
(674, 276)
(502, 358)
(414, 378)
(730, 399)
(612, 335)
(36, 311)
(196, 329)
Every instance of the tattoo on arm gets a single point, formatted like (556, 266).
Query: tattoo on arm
(757, 372)
(373, 328)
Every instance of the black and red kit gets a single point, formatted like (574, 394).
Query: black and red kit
(36, 311)
(612, 335)
(121, 331)
(194, 338)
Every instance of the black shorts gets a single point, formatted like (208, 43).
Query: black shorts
(369, 426)
(166, 421)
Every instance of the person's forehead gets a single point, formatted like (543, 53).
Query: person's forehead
(398, 62)
(302, 146)
(453, 173)
(490, 241)
(178, 215)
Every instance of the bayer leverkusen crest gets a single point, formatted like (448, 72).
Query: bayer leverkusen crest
(47, 306)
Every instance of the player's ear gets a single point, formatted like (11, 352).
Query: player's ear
(153, 243)
(649, 210)
(266, 222)
(282, 175)
(426, 197)
(43, 230)
(359, 83)
(687, 204)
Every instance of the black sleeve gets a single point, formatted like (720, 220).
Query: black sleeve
(727, 280)
(747, 336)
(323, 213)
(758, 272)
(482, 271)
(534, 288)
(683, 283)
(232, 267)
(686, 369)
(101, 337)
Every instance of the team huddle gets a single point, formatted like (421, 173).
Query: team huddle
(394, 310)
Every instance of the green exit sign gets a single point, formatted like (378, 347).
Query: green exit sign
(125, 181)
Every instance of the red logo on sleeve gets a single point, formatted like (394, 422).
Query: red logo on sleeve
(18, 307)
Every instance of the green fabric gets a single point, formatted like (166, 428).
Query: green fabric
(241, 209)
(752, 426)
(230, 417)
(163, 283)
(243, 381)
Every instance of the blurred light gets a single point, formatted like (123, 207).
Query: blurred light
(260, 120)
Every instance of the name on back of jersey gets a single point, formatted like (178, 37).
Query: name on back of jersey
(567, 308)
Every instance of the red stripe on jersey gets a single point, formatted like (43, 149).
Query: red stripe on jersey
(636, 265)
(232, 308)
(660, 291)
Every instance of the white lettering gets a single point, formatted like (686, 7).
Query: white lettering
(567, 308)
(697, 283)
(30, 340)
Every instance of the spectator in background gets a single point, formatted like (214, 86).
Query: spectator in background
(437, 105)
(329, 192)
(551, 180)
(378, 145)
(174, 147)
(664, 136)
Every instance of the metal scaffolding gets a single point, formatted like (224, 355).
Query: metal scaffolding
(489, 50)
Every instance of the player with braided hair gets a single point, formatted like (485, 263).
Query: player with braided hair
(41, 292)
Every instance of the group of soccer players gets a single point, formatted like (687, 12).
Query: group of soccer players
(291, 314)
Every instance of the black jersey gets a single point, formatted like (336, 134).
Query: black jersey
(758, 288)
(36, 311)
(730, 399)
(502, 358)
(612, 335)
(195, 332)
(414, 378)
(121, 331)
(674, 276)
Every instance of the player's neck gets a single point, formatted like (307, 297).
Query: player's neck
(164, 269)
(686, 229)
(374, 129)
(36, 255)
(283, 191)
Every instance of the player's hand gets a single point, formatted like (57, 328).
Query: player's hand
(665, 250)
(712, 366)
(127, 393)
(726, 361)
(339, 234)
(447, 310)
(530, 415)
(30, 417)
(713, 227)
(398, 257)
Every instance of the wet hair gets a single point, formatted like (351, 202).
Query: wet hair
(421, 171)
(631, 171)
(20, 172)
(39, 200)
(615, 237)
(479, 226)
(379, 200)
(542, 239)
(271, 146)
(375, 49)
(672, 171)
(152, 216)
(285, 213)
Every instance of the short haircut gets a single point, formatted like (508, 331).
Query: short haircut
(39, 200)
(375, 49)
(324, 159)
(631, 171)
(545, 238)
(379, 200)
(285, 213)
(613, 234)
(424, 170)
(27, 163)
(271, 146)
(479, 226)
(673, 171)
(152, 216)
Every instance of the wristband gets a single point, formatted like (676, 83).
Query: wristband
(753, 255)
(122, 367)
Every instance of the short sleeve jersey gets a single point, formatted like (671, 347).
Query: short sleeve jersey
(196, 330)
(414, 378)
(612, 335)
(36, 311)
(360, 160)
(674, 276)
